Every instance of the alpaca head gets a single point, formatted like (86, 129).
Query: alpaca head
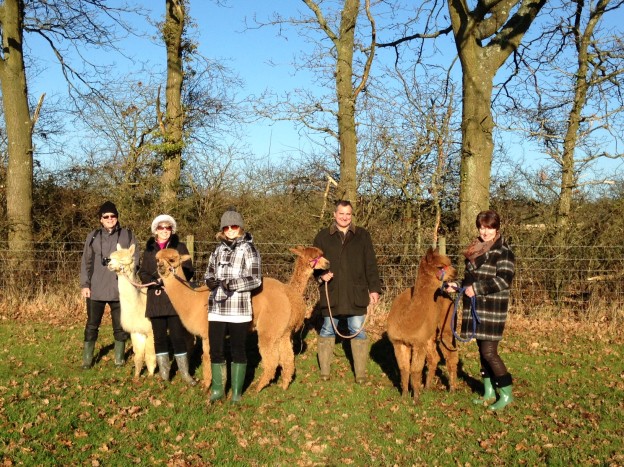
(438, 265)
(168, 261)
(121, 260)
(313, 256)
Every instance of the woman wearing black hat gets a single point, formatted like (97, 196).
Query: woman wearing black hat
(99, 285)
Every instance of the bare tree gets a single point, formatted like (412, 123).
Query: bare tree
(350, 76)
(171, 126)
(485, 36)
(73, 22)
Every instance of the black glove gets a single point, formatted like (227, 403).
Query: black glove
(212, 283)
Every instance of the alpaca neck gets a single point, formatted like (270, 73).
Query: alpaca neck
(300, 276)
(180, 294)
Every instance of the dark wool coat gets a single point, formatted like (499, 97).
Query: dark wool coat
(353, 262)
(160, 305)
(491, 277)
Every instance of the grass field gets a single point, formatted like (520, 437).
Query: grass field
(569, 408)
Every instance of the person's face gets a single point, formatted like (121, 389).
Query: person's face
(108, 220)
(163, 232)
(231, 231)
(342, 215)
(487, 233)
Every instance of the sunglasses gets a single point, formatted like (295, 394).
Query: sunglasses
(230, 227)
(112, 216)
(164, 227)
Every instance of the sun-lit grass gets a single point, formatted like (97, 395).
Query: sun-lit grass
(569, 408)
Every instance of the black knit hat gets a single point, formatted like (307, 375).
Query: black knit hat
(108, 206)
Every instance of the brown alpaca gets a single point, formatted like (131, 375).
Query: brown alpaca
(279, 310)
(420, 321)
(191, 304)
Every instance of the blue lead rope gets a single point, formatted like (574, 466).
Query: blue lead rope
(473, 313)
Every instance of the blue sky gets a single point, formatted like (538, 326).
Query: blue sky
(221, 35)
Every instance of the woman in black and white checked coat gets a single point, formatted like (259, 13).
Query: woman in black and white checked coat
(490, 267)
(234, 270)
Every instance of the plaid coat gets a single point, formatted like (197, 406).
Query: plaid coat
(491, 277)
(238, 266)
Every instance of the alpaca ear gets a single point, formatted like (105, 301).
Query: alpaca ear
(298, 250)
(185, 258)
(118, 247)
(131, 249)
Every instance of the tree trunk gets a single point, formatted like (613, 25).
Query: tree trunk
(173, 31)
(19, 127)
(345, 94)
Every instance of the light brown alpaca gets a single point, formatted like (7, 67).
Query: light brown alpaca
(279, 310)
(419, 323)
(133, 301)
(190, 303)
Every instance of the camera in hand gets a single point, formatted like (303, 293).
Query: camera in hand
(105, 261)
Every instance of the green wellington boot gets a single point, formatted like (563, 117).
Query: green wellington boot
(164, 365)
(120, 353)
(325, 352)
(219, 379)
(238, 371)
(504, 386)
(488, 394)
(87, 354)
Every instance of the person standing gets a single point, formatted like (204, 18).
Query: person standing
(352, 284)
(234, 270)
(490, 268)
(166, 323)
(98, 285)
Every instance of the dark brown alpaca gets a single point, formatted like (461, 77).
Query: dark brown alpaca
(419, 323)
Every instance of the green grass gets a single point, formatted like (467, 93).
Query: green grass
(569, 409)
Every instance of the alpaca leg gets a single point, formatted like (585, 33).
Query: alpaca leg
(402, 354)
(286, 361)
(418, 363)
(451, 356)
(150, 353)
(206, 366)
(270, 358)
(433, 358)
(138, 347)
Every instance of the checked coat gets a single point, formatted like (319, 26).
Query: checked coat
(237, 266)
(490, 276)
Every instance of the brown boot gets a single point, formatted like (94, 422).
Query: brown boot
(359, 350)
(325, 352)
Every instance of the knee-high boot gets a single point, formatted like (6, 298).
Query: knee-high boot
(219, 379)
(359, 350)
(164, 365)
(325, 352)
(504, 386)
(183, 368)
(238, 371)
(87, 354)
(120, 351)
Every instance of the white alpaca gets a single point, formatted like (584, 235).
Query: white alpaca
(133, 302)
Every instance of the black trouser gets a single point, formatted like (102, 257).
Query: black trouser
(177, 334)
(95, 312)
(238, 338)
(491, 363)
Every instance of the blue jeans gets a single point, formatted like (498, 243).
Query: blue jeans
(354, 324)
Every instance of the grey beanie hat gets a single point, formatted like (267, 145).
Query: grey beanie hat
(231, 217)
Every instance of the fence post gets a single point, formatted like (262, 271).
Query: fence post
(190, 244)
(442, 245)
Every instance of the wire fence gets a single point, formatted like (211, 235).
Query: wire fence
(571, 279)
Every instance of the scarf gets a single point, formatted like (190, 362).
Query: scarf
(478, 247)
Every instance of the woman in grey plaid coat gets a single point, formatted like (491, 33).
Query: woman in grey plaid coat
(490, 267)
(234, 270)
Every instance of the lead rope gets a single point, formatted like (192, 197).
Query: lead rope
(334, 324)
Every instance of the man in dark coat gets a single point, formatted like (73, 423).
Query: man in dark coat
(98, 285)
(352, 284)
